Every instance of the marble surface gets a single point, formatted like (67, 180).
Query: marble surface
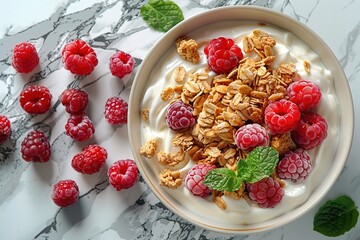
(26, 210)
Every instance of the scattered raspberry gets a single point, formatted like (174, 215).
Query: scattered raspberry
(311, 131)
(79, 58)
(35, 99)
(179, 116)
(121, 64)
(123, 174)
(305, 94)
(79, 127)
(90, 160)
(65, 193)
(250, 136)
(35, 147)
(194, 180)
(116, 110)
(223, 55)
(74, 100)
(295, 166)
(5, 128)
(282, 116)
(266, 192)
(25, 57)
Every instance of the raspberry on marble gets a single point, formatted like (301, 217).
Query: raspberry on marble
(116, 110)
(80, 127)
(74, 100)
(5, 128)
(65, 193)
(123, 174)
(35, 99)
(25, 57)
(35, 147)
(121, 64)
(90, 160)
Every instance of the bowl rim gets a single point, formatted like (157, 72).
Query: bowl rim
(227, 13)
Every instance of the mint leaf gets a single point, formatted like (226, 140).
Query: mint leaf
(161, 15)
(243, 169)
(222, 179)
(260, 163)
(336, 217)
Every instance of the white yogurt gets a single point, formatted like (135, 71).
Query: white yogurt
(288, 49)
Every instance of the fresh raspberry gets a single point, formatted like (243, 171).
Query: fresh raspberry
(35, 99)
(121, 64)
(305, 94)
(310, 133)
(266, 192)
(35, 147)
(5, 128)
(179, 116)
(25, 57)
(223, 55)
(116, 110)
(79, 127)
(194, 180)
(79, 58)
(74, 100)
(282, 116)
(250, 136)
(90, 160)
(123, 174)
(65, 193)
(295, 166)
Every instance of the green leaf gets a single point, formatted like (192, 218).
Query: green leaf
(161, 15)
(243, 169)
(336, 217)
(222, 179)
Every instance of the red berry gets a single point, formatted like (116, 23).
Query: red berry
(116, 110)
(65, 193)
(121, 64)
(194, 180)
(282, 116)
(295, 166)
(79, 58)
(223, 55)
(305, 94)
(35, 99)
(250, 136)
(266, 192)
(5, 128)
(310, 133)
(25, 57)
(35, 147)
(123, 174)
(179, 116)
(74, 100)
(79, 127)
(90, 160)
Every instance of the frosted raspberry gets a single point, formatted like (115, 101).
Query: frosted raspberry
(25, 57)
(5, 128)
(79, 58)
(79, 127)
(282, 116)
(121, 64)
(116, 110)
(223, 55)
(35, 147)
(310, 133)
(179, 116)
(250, 136)
(295, 166)
(305, 94)
(194, 180)
(123, 174)
(90, 160)
(35, 99)
(65, 193)
(74, 100)
(266, 192)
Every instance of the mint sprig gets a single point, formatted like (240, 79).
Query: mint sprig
(161, 15)
(260, 163)
(336, 217)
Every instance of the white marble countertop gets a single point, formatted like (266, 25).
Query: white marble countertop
(26, 209)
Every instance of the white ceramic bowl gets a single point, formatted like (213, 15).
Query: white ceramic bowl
(340, 120)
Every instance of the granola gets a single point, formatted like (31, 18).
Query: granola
(149, 149)
(170, 178)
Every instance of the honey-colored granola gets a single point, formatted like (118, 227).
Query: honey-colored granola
(170, 178)
(150, 147)
(145, 114)
(167, 94)
(188, 49)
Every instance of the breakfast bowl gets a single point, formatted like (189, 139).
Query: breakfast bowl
(163, 78)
